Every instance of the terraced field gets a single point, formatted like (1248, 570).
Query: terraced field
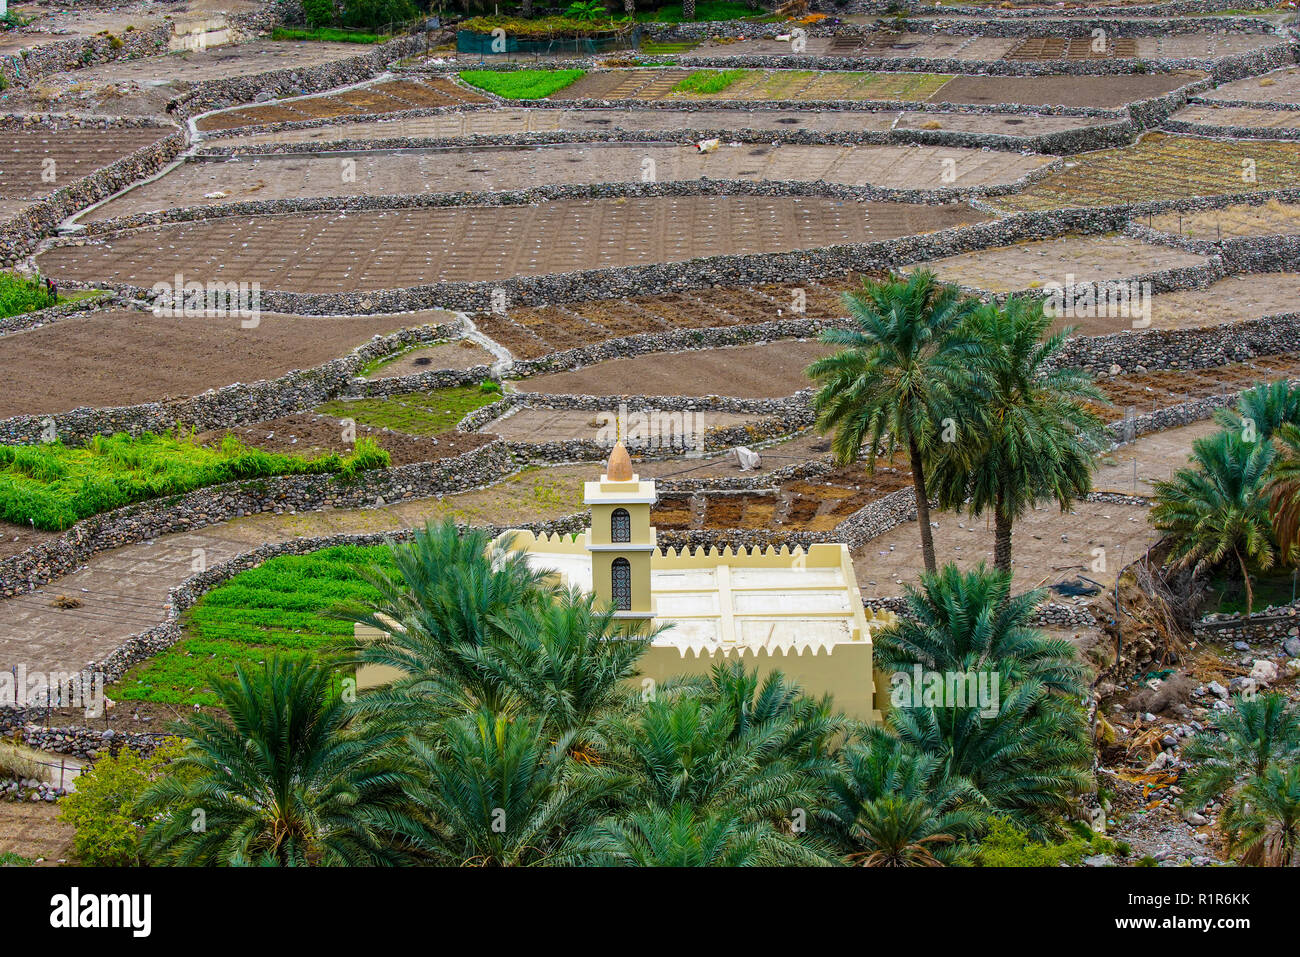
(347, 252)
(1161, 166)
(1272, 218)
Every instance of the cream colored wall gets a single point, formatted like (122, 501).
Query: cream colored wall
(846, 673)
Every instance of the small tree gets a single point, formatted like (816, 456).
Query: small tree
(319, 13)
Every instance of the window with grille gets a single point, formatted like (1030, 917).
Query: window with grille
(620, 526)
(621, 579)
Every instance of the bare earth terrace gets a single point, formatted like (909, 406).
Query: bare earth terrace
(344, 252)
(506, 168)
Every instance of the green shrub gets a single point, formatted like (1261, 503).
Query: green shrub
(20, 294)
(1006, 845)
(522, 84)
(319, 13)
(377, 13)
(102, 808)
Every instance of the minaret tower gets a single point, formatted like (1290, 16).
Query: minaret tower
(621, 540)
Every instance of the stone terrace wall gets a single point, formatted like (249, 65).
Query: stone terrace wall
(75, 53)
(226, 92)
(20, 235)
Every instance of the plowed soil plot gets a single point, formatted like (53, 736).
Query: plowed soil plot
(275, 177)
(529, 333)
(391, 96)
(346, 252)
(1146, 391)
(801, 506)
(459, 354)
(123, 356)
(744, 372)
(516, 120)
(1163, 167)
(1104, 92)
(1034, 264)
(34, 163)
(1280, 86)
(311, 435)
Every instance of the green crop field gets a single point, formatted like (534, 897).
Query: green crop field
(52, 486)
(279, 608)
(522, 84)
(415, 413)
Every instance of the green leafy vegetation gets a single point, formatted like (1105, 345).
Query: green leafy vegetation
(103, 807)
(704, 10)
(20, 294)
(51, 486)
(10, 859)
(654, 47)
(325, 34)
(708, 81)
(281, 607)
(1006, 845)
(522, 84)
(416, 413)
(538, 28)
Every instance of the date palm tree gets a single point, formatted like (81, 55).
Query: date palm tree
(1262, 410)
(292, 778)
(1027, 761)
(438, 611)
(500, 793)
(968, 622)
(566, 664)
(1037, 439)
(904, 368)
(677, 836)
(1264, 827)
(1254, 735)
(1215, 513)
(928, 822)
(1283, 491)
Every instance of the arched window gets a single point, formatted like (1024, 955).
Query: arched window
(620, 574)
(620, 526)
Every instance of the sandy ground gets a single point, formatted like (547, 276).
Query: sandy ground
(1046, 546)
(1280, 86)
(1107, 92)
(34, 164)
(1157, 457)
(124, 356)
(1034, 264)
(1239, 116)
(33, 830)
(339, 252)
(458, 354)
(503, 168)
(744, 372)
(518, 120)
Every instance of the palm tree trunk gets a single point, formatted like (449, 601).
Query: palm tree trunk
(922, 504)
(1001, 537)
(1245, 576)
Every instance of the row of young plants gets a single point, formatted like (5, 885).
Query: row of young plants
(519, 735)
(51, 486)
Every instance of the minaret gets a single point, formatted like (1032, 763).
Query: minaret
(621, 539)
